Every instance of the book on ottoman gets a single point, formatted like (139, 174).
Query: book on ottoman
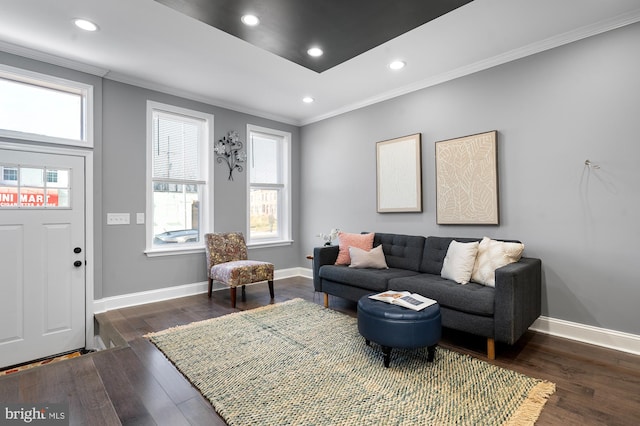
(405, 299)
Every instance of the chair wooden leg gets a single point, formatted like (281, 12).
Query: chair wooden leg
(326, 300)
(270, 282)
(491, 348)
(210, 287)
(233, 296)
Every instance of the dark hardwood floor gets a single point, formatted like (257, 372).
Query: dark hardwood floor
(133, 383)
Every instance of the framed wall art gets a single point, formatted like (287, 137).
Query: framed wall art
(467, 180)
(399, 174)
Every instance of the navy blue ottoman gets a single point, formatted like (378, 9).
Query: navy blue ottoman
(392, 326)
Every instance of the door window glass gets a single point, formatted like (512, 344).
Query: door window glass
(34, 187)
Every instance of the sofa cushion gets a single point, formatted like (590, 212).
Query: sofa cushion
(435, 249)
(373, 258)
(346, 240)
(401, 251)
(492, 255)
(371, 279)
(472, 298)
(459, 261)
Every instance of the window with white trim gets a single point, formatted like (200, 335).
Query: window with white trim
(179, 178)
(269, 199)
(43, 108)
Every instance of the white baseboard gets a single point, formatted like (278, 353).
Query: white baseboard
(612, 339)
(144, 297)
(151, 296)
(306, 272)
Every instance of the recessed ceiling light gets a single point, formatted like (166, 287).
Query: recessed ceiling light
(397, 65)
(308, 99)
(315, 52)
(85, 25)
(250, 20)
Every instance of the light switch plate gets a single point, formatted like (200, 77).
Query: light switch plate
(118, 218)
(140, 218)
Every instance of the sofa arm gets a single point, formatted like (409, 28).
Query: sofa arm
(518, 298)
(325, 255)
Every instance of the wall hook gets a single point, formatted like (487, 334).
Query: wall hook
(591, 165)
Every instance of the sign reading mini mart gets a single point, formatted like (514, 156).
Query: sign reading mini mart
(28, 197)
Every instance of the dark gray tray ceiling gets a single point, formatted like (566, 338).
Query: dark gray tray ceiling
(342, 28)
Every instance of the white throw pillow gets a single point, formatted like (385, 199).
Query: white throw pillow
(492, 255)
(373, 258)
(459, 261)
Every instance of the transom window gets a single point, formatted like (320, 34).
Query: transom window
(39, 107)
(269, 213)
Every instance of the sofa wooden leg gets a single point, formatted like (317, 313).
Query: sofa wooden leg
(233, 296)
(271, 289)
(210, 287)
(326, 300)
(491, 348)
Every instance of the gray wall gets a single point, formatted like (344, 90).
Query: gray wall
(126, 268)
(120, 265)
(553, 111)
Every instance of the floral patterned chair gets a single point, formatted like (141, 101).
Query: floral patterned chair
(227, 263)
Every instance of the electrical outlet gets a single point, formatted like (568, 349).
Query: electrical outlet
(140, 218)
(118, 218)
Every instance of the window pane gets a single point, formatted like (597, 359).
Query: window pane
(57, 178)
(9, 175)
(40, 110)
(264, 159)
(176, 213)
(263, 217)
(31, 177)
(175, 147)
(59, 198)
(8, 196)
(32, 197)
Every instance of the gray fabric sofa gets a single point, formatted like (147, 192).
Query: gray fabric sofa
(501, 314)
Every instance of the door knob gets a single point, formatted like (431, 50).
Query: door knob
(77, 250)
(77, 263)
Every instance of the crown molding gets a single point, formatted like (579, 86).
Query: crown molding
(146, 84)
(515, 54)
(503, 58)
(48, 58)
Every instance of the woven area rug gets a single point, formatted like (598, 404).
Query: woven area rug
(297, 363)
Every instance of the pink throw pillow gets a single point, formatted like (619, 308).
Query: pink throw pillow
(345, 240)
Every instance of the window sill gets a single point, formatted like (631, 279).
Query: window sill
(267, 244)
(174, 251)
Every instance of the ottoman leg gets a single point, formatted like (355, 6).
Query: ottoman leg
(431, 352)
(367, 342)
(386, 350)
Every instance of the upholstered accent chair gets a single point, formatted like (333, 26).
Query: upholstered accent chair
(227, 263)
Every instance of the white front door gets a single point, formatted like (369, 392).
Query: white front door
(42, 255)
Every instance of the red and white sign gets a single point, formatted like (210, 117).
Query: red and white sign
(29, 197)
